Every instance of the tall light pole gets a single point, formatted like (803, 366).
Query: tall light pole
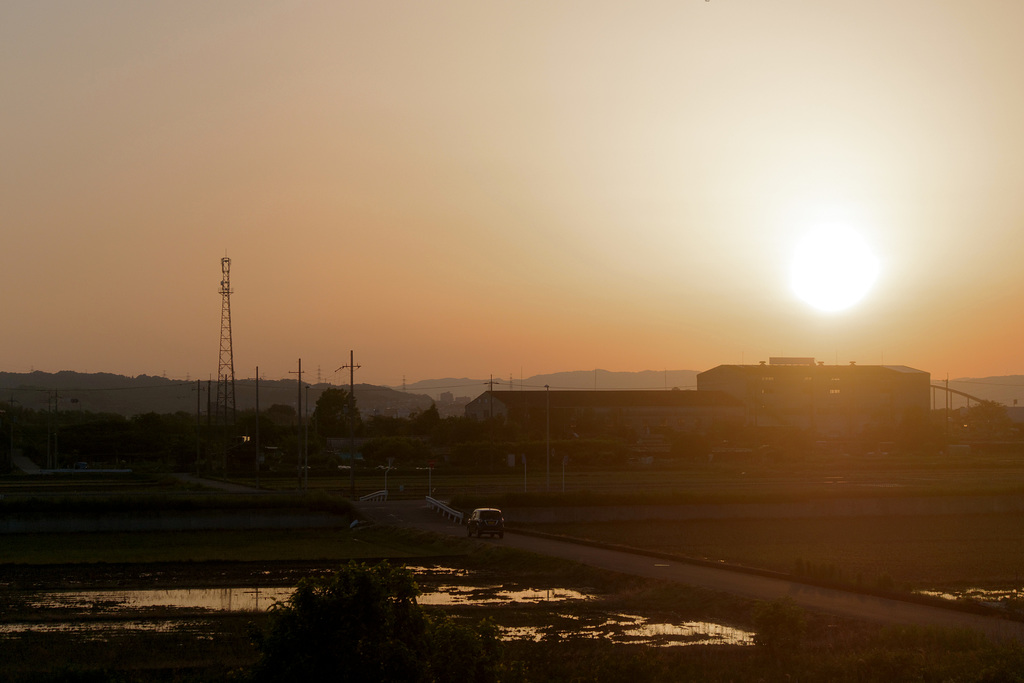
(547, 414)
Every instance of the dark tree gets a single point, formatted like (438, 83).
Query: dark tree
(334, 409)
(363, 624)
(988, 419)
(425, 421)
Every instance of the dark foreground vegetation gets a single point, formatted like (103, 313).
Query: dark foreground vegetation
(362, 622)
(468, 463)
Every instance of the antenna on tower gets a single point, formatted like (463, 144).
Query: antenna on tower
(226, 369)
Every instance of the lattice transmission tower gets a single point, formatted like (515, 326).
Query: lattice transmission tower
(226, 370)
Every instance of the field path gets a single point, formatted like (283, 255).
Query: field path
(24, 464)
(226, 486)
(417, 514)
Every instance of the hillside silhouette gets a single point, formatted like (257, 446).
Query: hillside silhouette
(110, 393)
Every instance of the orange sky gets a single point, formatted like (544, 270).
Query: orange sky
(475, 188)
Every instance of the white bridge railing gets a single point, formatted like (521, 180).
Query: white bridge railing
(449, 512)
(376, 496)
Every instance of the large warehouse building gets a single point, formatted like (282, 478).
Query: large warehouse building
(832, 401)
(569, 413)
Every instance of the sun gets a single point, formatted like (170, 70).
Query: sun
(833, 268)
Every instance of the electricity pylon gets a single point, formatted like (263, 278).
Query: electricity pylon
(226, 369)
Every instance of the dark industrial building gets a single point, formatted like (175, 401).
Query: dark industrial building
(585, 413)
(831, 401)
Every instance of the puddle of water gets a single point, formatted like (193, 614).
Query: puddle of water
(984, 595)
(212, 599)
(104, 630)
(690, 633)
(437, 571)
(463, 595)
(260, 599)
(92, 614)
(637, 630)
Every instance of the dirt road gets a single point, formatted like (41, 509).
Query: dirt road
(827, 600)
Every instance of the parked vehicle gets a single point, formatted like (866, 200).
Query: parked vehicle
(486, 521)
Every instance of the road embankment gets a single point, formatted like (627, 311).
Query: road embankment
(36, 524)
(825, 507)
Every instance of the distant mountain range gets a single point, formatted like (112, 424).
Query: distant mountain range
(108, 393)
(105, 392)
(580, 379)
(1006, 389)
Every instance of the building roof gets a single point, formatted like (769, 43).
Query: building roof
(614, 398)
(819, 367)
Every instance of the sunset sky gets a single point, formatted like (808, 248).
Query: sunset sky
(460, 189)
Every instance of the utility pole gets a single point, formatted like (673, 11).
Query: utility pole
(257, 427)
(10, 421)
(948, 403)
(199, 408)
(298, 426)
(54, 418)
(7, 466)
(547, 429)
(490, 397)
(351, 367)
(305, 442)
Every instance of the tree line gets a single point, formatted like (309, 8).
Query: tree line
(277, 436)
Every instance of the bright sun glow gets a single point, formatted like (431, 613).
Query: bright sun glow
(833, 268)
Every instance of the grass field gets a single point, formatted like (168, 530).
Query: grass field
(921, 552)
(263, 545)
(740, 480)
(918, 552)
(829, 649)
(744, 479)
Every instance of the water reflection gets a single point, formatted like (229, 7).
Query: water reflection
(211, 599)
(985, 595)
(468, 595)
(637, 630)
(103, 630)
(105, 614)
(260, 599)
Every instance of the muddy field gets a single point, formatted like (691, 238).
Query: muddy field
(85, 616)
(156, 575)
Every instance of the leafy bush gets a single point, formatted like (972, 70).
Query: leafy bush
(363, 624)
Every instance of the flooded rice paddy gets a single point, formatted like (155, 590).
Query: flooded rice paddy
(986, 596)
(108, 613)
